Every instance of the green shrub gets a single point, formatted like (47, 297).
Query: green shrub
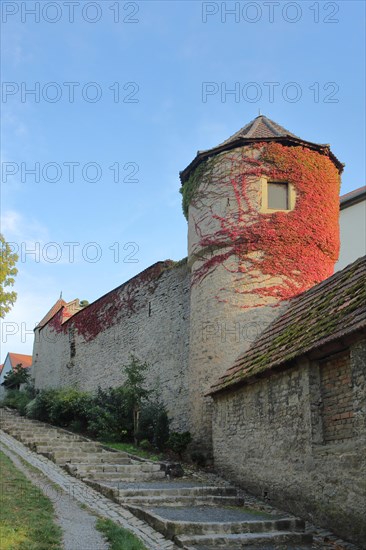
(17, 399)
(145, 445)
(111, 416)
(154, 425)
(40, 407)
(161, 430)
(70, 406)
(198, 458)
(178, 442)
(16, 377)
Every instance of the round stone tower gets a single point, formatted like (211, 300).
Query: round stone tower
(262, 212)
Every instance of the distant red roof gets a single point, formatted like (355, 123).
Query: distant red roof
(19, 358)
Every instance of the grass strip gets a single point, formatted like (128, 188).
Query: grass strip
(26, 515)
(129, 448)
(118, 537)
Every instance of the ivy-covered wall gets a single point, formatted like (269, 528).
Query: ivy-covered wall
(148, 316)
(247, 262)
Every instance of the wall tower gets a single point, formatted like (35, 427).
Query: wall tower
(262, 212)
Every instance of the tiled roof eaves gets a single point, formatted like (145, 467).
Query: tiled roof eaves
(248, 378)
(241, 141)
(353, 197)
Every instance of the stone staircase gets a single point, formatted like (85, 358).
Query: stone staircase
(195, 515)
(79, 455)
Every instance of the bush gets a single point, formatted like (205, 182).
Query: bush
(198, 458)
(154, 425)
(145, 445)
(39, 408)
(111, 416)
(70, 405)
(17, 399)
(178, 442)
(16, 377)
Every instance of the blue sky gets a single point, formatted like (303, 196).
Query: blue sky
(160, 57)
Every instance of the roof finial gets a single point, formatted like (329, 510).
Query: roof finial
(259, 112)
(61, 295)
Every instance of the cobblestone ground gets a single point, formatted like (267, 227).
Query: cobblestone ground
(79, 492)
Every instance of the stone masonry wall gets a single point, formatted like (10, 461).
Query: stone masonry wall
(227, 314)
(148, 316)
(273, 438)
(337, 397)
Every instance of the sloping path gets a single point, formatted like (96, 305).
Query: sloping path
(79, 492)
(77, 524)
(136, 494)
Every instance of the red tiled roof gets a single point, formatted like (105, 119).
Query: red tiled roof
(19, 358)
(326, 312)
(1, 368)
(54, 309)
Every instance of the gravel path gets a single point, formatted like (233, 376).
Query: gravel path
(77, 524)
(83, 494)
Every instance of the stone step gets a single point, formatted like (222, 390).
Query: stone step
(242, 540)
(26, 432)
(174, 527)
(186, 500)
(65, 447)
(178, 491)
(79, 458)
(29, 436)
(126, 475)
(119, 468)
(42, 440)
(105, 464)
(104, 457)
(50, 443)
(62, 459)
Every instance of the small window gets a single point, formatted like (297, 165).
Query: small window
(278, 196)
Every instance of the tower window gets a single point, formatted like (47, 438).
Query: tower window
(278, 196)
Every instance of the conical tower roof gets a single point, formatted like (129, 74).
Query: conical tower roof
(259, 129)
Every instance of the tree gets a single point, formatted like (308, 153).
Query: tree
(135, 391)
(7, 274)
(16, 377)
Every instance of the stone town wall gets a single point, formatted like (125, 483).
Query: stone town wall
(281, 439)
(227, 313)
(148, 316)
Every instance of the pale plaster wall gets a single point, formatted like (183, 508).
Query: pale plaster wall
(352, 223)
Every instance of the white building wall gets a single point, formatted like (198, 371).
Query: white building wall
(352, 223)
(6, 369)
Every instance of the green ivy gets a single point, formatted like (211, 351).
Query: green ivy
(189, 188)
